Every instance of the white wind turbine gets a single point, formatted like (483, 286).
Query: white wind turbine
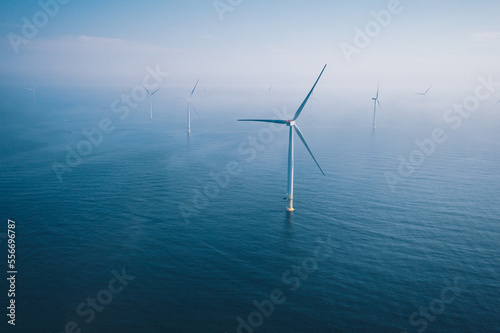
(293, 126)
(424, 94)
(34, 92)
(375, 102)
(189, 106)
(150, 103)
(269, 90)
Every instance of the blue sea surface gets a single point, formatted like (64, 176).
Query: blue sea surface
(200, 246)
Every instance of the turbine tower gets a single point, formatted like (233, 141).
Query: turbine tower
(34, 92)
(375, 102)
(293, 126)
(150, 103)
(189, 106)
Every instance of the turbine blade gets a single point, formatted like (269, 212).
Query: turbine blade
(297, 114)
(146, 90)
(379, 103)
(309, 150)
(192, 92)
(428, 89)
(378, 86)
(154, 91)
(266, 120)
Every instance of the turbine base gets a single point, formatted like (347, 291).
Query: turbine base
(289, 203)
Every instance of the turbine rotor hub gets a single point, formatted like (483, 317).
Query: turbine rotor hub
(290, 122)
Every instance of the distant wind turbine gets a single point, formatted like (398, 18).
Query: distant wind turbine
(424, 94)
(293, 126)
(375, 102)
(150, 103)
(34, 93)
(189, 106)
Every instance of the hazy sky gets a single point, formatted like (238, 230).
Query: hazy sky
(258, 42)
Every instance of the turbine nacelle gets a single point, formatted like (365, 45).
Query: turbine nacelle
(290, 123)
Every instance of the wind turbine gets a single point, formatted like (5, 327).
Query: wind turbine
(293, 126)
(190, 105)
(424, 94)
(150, 104)
(375, 102)
(34, 91)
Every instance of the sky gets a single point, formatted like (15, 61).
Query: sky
(244, 43)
